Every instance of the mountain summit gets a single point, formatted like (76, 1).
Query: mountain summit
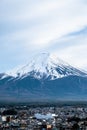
(46, 77)
(45, 65)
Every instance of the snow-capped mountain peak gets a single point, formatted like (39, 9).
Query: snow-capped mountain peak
(45, 65)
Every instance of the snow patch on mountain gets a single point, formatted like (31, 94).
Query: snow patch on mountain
(44, 65)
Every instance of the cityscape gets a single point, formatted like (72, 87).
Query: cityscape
(43, 117)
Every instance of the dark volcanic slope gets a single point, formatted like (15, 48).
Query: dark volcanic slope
(29, 88)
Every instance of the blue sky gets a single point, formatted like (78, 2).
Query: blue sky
(28, 27)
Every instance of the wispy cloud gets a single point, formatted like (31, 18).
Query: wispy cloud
(73, 48)
(29, 27)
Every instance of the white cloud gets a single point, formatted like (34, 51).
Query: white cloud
(74, 51)
(51, 19)
(33, 26)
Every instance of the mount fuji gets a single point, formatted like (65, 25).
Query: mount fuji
(45, 78)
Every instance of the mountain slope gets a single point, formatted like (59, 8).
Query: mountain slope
(45, 78)
(45, 65)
